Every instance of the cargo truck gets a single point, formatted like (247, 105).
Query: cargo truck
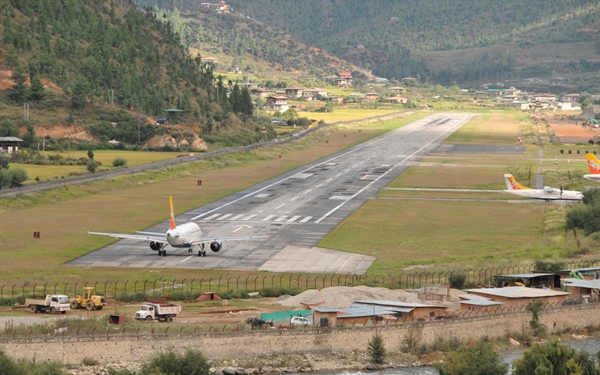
(157, 311)
(53, 303)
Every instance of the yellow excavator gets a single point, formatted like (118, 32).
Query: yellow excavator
(89, 300)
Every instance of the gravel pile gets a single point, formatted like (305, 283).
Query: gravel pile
(342, 296)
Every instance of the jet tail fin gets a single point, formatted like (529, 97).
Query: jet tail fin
(171, 215)
(512, 184)
(593, 164)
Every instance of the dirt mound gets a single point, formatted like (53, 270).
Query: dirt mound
(64, 131)
(343, 296)
(167, 140)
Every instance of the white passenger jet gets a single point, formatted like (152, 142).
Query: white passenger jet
(547, 193)
(185, 235)
(594, 165)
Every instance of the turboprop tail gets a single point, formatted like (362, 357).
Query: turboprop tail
(593, 164)
(512, 184)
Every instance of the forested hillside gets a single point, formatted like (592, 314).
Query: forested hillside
(446, 41)
(102, 55)
(252, 45)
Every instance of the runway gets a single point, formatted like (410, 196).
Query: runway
(296, 210)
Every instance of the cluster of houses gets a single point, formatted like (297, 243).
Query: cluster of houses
(514, 293)
(278, 101)
(529, 101)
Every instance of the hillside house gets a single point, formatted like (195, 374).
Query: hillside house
(344, 79)
(293, 92)
(210, 61)
(220, 7)
(314, 93)
(8, 145)
(544, 97)
(334, 98)
(397, 89)
(396, 100)
(356, 97)
(372, 96)
(572, 97)
(277, 103)
(260, 92)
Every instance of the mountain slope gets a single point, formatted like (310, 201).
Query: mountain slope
(102, 56)
(404, 38)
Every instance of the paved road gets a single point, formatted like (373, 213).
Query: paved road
(296, 210)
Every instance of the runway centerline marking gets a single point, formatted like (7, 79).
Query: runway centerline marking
(186, 259)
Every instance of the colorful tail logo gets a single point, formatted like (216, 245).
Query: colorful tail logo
(593, 163)
(171, 215)
(512, 184)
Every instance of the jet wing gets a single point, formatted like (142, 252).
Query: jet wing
(156, 237)
(225, 239)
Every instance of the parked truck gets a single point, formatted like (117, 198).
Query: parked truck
(157, 311)
(53, 303)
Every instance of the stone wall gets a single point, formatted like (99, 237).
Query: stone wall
(107, 349)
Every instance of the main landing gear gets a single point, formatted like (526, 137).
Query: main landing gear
(162, 252)
(201, 252)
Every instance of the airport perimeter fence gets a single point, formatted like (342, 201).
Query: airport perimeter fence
(266, 285)
(86, 328)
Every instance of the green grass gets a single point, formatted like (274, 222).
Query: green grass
(401, 233)
(126, 204)
(106, 157)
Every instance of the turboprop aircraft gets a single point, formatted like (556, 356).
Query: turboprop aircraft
(186, 235)
(594, 165)
(547, 193)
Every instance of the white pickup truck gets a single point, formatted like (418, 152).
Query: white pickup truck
(54, 303)
(156, 311)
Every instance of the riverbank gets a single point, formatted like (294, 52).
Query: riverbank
(327, 362)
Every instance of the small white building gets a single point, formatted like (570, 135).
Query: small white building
(277, 103)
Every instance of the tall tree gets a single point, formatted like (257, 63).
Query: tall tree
(80, 92)
(18, 92)
(36, 92)
(246, 105)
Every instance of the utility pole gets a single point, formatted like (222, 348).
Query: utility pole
(26, 111)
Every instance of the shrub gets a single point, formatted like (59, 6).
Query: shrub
(92, 165)
(87, 361)
(119, 162)
(376, 349)
(192, 362)
(457, 280)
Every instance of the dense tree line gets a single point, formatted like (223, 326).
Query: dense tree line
(113, 52)
(586, 216)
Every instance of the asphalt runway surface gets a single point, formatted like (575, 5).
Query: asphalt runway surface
(296, 210)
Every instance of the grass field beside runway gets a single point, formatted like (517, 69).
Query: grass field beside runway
(126, 204)
(415, 230)
(402, 233)
(451, 177)
(417, 194)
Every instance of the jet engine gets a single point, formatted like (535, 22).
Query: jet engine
(155, 245)
(216, 246)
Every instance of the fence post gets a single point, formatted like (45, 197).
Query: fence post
(125, 288)
(115, 295)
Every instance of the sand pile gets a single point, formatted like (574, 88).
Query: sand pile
(343, 296)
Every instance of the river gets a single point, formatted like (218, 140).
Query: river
(591, 346)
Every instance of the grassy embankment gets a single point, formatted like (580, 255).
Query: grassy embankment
(468, 229)
(124, 205)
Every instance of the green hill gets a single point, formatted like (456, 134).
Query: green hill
(110, 61)
(447, 41)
